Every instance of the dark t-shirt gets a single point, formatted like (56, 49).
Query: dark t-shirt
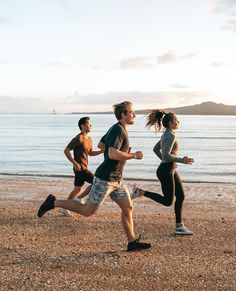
(111, 170)
(81, 147)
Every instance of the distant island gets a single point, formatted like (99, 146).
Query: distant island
(205, 108)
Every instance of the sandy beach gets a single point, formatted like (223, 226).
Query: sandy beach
(78, 253)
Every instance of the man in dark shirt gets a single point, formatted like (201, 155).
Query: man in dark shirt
(108, 177)
(82, 148)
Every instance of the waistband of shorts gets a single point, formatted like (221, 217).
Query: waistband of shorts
(110, 182)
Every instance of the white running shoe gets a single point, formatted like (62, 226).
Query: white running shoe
(65, 212)
(182, 230)
(135, 192)
(81, 200)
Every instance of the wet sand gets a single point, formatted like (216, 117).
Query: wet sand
(79, 253)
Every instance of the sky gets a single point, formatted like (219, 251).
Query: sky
(78, 56)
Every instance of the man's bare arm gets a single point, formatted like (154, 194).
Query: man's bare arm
(115, 154)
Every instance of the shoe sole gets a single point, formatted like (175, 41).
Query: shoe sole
(67, 215)
(183, 233)
(137, 250)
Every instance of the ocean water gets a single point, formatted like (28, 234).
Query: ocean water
(34, 145)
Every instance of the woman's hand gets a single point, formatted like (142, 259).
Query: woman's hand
(188, 160)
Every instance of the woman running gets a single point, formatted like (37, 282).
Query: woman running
(166, 149)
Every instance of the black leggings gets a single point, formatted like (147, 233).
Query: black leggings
(171, 185)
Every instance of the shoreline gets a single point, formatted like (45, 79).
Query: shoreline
(125, 178)
(88, 253)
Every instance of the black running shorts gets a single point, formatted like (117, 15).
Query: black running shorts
(83, 176)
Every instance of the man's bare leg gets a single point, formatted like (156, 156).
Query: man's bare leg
(71, 196)
(85, 192)
(89, 208)
(127, 218)
(51, 202)
(127, 221)
(75, 192)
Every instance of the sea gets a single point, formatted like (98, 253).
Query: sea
(33, 145)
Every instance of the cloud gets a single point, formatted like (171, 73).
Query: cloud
(217, 64)
(113, 97)
(231, 24)
(99, 102)
(227, 7)
(223, 6)
(143, 98)
(214, 8)
(139, 62)
(3, 20)
(179, 86)
(174, 56)
(9, 104)
(5, 62)
(58, 64)
(147, 62)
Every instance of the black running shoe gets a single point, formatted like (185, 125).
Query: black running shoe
(47, 205)
(137, 246)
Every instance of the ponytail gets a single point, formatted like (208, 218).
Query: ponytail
(159, 118)
(155, 118)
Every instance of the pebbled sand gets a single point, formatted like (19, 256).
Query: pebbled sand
(78, 253)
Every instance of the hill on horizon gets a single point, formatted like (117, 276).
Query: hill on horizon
(205, 108)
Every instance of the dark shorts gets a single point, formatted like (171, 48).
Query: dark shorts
(82, 177)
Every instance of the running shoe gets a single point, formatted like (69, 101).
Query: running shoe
(137, 246)
(80, 200)
(135, 192)
(182, 230)
(47, 205)
(65, 212)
